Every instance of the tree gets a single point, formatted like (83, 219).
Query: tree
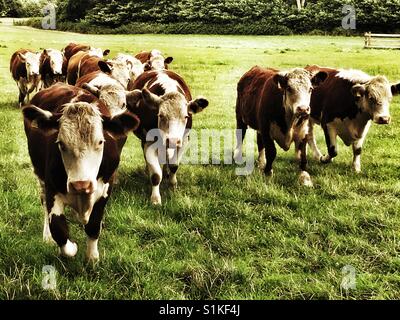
(300, 4)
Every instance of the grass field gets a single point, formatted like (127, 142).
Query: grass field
(219, 236)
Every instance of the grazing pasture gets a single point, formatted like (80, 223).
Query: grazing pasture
(218, 236)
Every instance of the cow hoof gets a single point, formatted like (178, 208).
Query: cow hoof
(47, 238)
(269, 173)
(69, 249)
(325, 159)
(155, 200)
(92, 256)
(305, 179)
(238, 156)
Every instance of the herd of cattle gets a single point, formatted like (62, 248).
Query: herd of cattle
(78, 121)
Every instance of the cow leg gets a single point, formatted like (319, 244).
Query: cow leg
(270, 152)
(58, 226)
(173, 168)
(357, 149)
(46, 227)
(261, 152)
(312, 142)
(241, 128)
(155, 171)
(93, 227)
(331, 142)
(21, 98)
(304, 178)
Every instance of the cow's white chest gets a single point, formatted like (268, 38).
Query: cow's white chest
(82, 204)
(350, 130)
(295, 133)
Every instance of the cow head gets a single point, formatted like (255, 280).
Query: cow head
(297, 86)
(158, 63)
(135, 67)
(56, 59)
(374, 97)
(80, 139)
(117, 70)
(173, 112)
(113, 95)
(32, 62)
(97, 52)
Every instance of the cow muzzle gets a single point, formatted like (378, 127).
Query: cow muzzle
(81, 187)
(382, 119)
(173, 143)
(302, 111)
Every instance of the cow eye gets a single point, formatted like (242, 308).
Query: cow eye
(187, 117)
(62, 145)
(101, 142)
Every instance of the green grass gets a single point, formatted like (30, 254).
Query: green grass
(219, 236)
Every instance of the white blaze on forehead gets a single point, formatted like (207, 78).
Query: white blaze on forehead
(97, 52)
(155, 53)
(56, 58)
(103, 79)
(354, 76)
(32, 62)
(168, 84)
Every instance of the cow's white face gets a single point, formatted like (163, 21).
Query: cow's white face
(117, 70)
(56, 60)
(135, 67)
(173, 112)
(32, 63)
(374, 98)
(81, 143)
(297, 86)
(95, 52)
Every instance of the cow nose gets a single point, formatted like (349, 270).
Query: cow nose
(303, 110)
(384, 120)
(81, 186)
(173, 142)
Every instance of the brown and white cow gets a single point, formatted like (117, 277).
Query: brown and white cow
(75, 149)
(165, 107)
(116, 69)
(135, 66)
(24, 67)
(344, 105)
(154, 60)
(78, 59)
(73, 48)
(51, 66)
(277, 105)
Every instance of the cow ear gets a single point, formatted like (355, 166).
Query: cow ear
(45, 52)
(132, 98)
(318, 78)
(106, 52)
(147, 66)
(358, 91)
(395, 89)
(92, 89)
(121, 124)
(197, 105)
(40, 118)
(151, 99)
(104, 66)
(281, 81)
(22, 57)
(168, 60)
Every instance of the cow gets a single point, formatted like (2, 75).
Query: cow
(78, 59)
(73, 48)
(116, 69)
(135, 66)
(277, 105)
(107, 89)
(165, 107)
(154, 60)
(75, 148)
(51, 66)
(344, 106)
(24, 67)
